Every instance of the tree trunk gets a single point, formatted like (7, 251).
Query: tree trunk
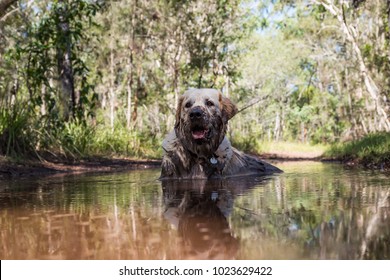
(387, 44)
(65, 70)
(226, 87)
(302, 128)
(137, 93)
(277, 127)
(388, 23)
(129, 96)
(130, 78)
(140, 55)
(134, 113)
(43, 97)
(369, 83)
(112, 86)
(176, 72)
(4, 5)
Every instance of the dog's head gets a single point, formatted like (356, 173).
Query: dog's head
(201, 120)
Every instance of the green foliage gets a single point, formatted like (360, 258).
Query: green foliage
(130, 60)
(247, 143)
(16, 136)
(40, 53)
(124, 143)
(374, 148)
(141, 43)
(76, 138)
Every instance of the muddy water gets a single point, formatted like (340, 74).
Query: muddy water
(312, 211)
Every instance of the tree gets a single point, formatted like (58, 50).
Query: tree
(4, 6)
(64, 58)
(350, 32)
(344, 88)
(54, 45)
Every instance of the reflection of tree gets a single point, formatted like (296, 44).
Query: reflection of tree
(316, 217)
(84, 217)
(376, 244)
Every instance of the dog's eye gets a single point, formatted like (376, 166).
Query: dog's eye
(188, 104)
(209, 103)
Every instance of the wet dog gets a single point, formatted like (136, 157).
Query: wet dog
(197, 148)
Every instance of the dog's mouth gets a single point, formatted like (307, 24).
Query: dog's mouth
(199, 133)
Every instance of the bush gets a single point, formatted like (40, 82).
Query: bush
(24, 136)
(121, 141)
(16, 134)
(373, 148)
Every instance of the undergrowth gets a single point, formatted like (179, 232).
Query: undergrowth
(373, 148)
(23, 136)
(16, 136)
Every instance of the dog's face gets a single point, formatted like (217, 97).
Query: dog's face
(201, 120)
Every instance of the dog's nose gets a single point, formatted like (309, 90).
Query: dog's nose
(196, 113)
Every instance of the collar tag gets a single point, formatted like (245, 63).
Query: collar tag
(213, 160)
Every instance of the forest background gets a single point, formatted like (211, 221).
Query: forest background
(81, 78)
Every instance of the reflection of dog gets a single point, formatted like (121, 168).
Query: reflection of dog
(198, 148)
(198, 209)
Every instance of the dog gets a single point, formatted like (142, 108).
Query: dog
(198, 148)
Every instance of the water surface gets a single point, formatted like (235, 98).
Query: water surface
(312, 211)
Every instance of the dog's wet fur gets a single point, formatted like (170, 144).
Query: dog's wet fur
(198, 148)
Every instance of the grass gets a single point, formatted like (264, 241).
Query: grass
(288, 147)
(25, 137)
(282, 149)
(372, 149)
(125, 143)
(15, 132)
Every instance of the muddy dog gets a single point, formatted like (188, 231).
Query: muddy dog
(197, 148)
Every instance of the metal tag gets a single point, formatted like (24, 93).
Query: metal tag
(213, 160)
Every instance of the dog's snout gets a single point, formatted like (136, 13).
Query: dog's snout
(196, 113)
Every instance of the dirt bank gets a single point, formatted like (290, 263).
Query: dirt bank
(32, 168)
(292, 156)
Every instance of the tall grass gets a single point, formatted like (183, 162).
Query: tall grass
(123, 142)
(24, 136)
(16, 137)
(374, 148)
(73, 139)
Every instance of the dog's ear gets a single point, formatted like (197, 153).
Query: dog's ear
(178, 111)
(229, 109)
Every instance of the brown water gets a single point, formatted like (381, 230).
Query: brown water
(312, 211)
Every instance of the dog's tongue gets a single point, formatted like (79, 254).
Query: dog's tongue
(199, 134)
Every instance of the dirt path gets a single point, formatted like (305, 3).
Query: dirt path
(291, 155)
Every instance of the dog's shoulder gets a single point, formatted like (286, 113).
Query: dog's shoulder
(175, 161)
(170, 142)
(225, 149)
